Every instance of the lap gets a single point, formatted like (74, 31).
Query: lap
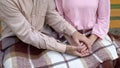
(25, 56)
(102, 47)
(107, 45)
(21, 55)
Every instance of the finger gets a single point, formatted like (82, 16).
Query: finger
(83, 47)
(80, 47)
(85, 51)
(89, 47)
(84, 54)
(87, 54)
(78, 54)
(77, 42)
(86, 41)
(81, 43)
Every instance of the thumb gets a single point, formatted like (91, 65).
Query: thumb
(76, 52)
(89, 47)
(86, 41)
(78, 42)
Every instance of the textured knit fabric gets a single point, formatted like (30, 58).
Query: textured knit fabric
(85, 14)
(27, 19)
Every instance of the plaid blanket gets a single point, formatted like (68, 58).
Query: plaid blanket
(21, 55)
(116, 42)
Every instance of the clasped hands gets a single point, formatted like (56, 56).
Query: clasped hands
(83, 44)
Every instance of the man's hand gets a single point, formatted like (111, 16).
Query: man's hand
(74, 50)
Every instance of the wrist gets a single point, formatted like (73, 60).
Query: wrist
(93, 38)
(68, 48)
(75, 33)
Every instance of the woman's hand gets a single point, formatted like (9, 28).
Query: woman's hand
(91, 40)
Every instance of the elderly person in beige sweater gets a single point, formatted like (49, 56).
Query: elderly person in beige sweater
(25, 27)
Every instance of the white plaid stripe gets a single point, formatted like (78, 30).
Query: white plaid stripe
(101, 61)
(29, 57)
(112, 50)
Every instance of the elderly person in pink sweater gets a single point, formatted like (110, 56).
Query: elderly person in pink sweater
(90, 18)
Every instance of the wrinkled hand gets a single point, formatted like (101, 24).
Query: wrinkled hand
(91, 40)
(84, 43)
(74, 50)
(77, 37)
